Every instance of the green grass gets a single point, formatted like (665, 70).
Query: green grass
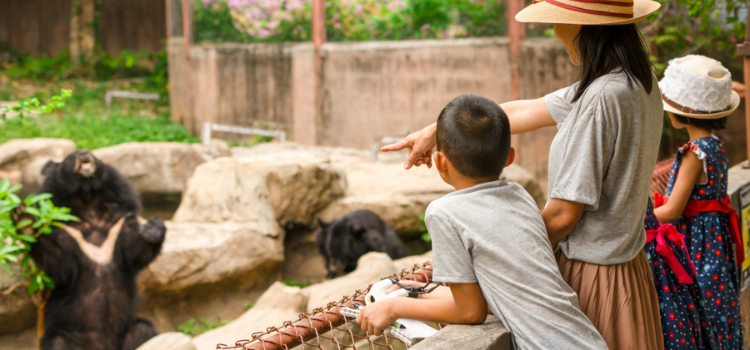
(89, 123)
(92, 132)
(193, 327)
(292, 283)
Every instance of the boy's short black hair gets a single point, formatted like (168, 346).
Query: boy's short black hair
(708, 124)
(474, 133)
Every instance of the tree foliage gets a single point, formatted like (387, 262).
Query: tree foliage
(347, 20)
(15, 245)
(709, 27)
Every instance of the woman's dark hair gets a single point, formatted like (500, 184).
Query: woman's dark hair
(605, 48)
(707, 124)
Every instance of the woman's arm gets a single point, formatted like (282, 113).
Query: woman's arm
(524, 116)
(560, 217)
(527, 115)
(465, 305)
(687, 176)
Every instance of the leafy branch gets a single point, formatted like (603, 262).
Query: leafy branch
(33, 105)
(16, 238)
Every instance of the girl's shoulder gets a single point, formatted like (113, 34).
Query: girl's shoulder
(703, 146)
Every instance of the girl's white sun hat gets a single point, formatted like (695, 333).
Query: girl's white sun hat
(588, 12)
(698, 87)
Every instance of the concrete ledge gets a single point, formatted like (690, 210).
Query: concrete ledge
(491, 335)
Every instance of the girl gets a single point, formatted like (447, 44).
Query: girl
(685, 319)
(697, 94)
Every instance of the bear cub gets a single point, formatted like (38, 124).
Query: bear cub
(343, 241)
(94, 262)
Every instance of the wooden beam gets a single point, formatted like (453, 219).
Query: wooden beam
(743, 49)
(517, 34)
(318, 38)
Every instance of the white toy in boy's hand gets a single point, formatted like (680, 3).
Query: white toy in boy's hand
(378, 291)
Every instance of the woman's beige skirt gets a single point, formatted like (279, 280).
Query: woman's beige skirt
(619, 299)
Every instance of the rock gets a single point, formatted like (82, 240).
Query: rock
(17, 311)
(383, 186)
(261, 189)
(21, 160)
(371, 267)
(159, 167)
(278, 304)
(169, 341)
(23, 340)
(400, 196)
(491, 335)
(198, 258)
(302, 260)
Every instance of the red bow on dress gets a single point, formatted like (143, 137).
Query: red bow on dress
(694, 207)
(661, 235)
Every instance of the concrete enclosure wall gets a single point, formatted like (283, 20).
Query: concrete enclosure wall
(369, 89)
(376, 89)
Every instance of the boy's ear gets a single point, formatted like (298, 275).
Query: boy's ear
(511, 156)
(441, 161)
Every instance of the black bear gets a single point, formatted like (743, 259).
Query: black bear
(343, 241)
(94, 262)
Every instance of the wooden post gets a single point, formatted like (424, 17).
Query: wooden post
(319, 38)
(517, 34)
(82, 31)
(744, 50)
(187, 32)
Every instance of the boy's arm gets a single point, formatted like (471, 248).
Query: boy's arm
(465, 304)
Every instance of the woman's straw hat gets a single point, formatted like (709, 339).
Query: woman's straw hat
(698, 87)
(588, 12)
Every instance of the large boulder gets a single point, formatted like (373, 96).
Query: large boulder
(21, 160)
(226, 241)
(17, 311)
(199, 257)
(400, 196)
(159, 167)
(261, 189)
(383, 186)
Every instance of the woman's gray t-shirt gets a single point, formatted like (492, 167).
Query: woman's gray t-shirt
(603, 156)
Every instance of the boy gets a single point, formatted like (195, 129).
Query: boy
(490, 243)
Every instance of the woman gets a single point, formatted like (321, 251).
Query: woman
(601, 160)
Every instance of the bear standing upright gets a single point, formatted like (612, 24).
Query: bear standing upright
(94, 262)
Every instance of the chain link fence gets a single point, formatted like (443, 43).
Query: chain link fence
(326, 328)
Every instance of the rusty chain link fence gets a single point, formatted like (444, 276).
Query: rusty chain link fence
(326, 328)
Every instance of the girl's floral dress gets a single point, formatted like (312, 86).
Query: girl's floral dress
(685, 320)
(709, 240)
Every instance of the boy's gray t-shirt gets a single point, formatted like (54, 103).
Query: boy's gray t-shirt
(603, 156)
(493, 234)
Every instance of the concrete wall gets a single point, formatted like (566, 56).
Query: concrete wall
(376, 89)
(369, 89)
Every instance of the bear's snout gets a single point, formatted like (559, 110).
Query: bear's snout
(85, 163)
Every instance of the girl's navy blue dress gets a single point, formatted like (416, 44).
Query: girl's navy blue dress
(709, 240)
